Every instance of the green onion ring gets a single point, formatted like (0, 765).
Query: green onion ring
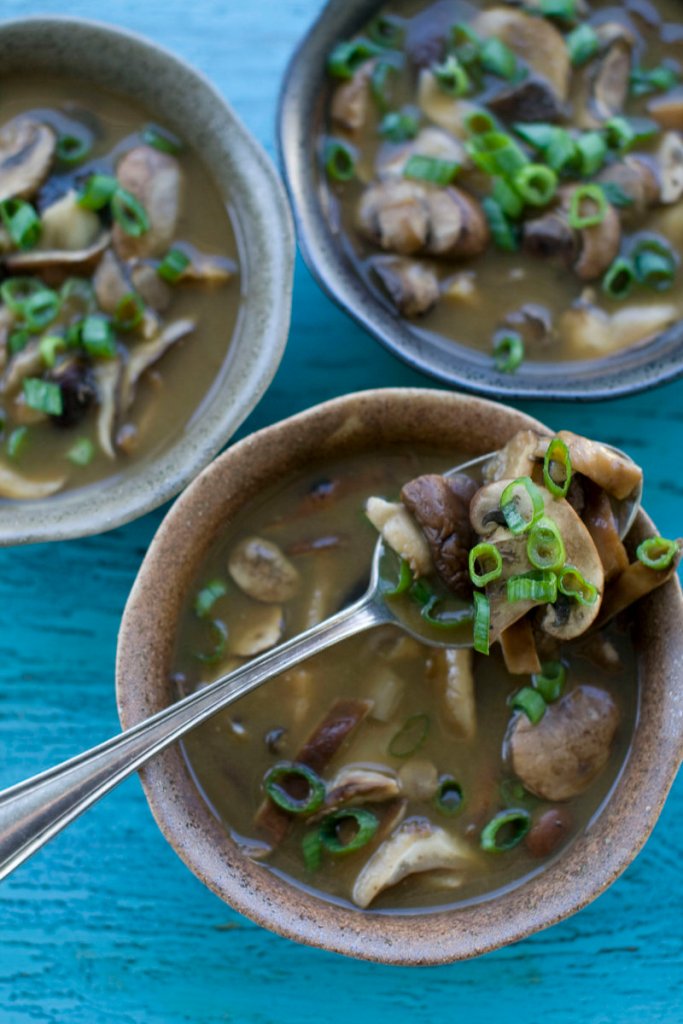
(536, 184)
(509, 504)
(508, 351)
(410, 737)
(484, 552)
(482, 622)
(339, 160)
(399, 126)
(448, 798)
(40, 309)
(130, 213)
(220, 636)
(431, 169)
(550, 680)
(517, 818)
(365, 821)
(273, 785)
(657, 552)
(451, 77)
(530, 702)
(172, 267)
(98, 191)
(207, 597)
(557, 454)
(582, 194)
(312, 850)
(619, 280)
(22, 223)
(539, 586)
(405, 578)
(130, 309)
(545, 547)
(71, 149)
(571, 583)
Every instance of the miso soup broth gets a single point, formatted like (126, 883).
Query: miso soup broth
(120, 285)
(407, 759)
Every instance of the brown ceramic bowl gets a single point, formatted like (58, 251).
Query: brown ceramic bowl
(361, 422)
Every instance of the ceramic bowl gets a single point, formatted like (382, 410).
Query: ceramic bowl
(181, 98)
(361, 423)
(300, 124)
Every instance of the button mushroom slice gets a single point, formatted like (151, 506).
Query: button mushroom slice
(351, 99)
(154, 179)
(358, 784)
(635, 582)
(452, 670)
(108, 374)
(68, 226)
(27, 149)
(610, 470)
(611, 76)
(516, 458)
(152, 289)
(589, 332)
(412, 285)
(598, 515)
(206, 268)
(258, 629)
(598, 246)
(560, 756)
(262, 570)
(518, 645)
(668, 159)
(415, 847)
(589, 251)
(111, 282)
(16, 485)
(400, 531)
(395, 216)
(534, 40)
(55, 265)
(458, 227)
(145, 355)
(440, 506)
(667, 110)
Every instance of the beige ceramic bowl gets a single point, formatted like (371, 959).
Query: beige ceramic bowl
(361, 423)
(186, 102)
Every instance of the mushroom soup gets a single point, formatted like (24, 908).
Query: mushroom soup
(393, 775)
(508, 176)
(119, 290)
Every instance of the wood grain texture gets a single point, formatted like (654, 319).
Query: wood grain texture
(106, 925)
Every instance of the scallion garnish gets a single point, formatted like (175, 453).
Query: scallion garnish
(96, 336)
(405, 578)
(380, 84)
(539, 586)
(496, 153)
(207, 597)
(550, 680)
(219, 633)
(582, 44)
(539, 136)
(623, 133)
(17, 441)
(22, 222)
(431, 169)
(173, 265)
(647, 80)
(619, 279)
(161, 139)
(563, 10)
(18, 340)
(399, 126)
(571, 583)
(452, 77)
(657, 552)
(49, 346)
(591, 152)
(346, 58)
(312, 850)
(387, 31)
(557, 468)
(545, 547)
(77, 291)
(448, 798)
(615, 194)
(504, 234)
(82, 452)
(482, 623)
(587, 207)
(40, 309)
(529, 701)
(71, 149)
(130, 309)
(505, 830)
(98, 191)
(43, 395)
(299, 775)
(507, 198)
(536, 184)
(465, 43)
(130, 213)
(16, 290)
(654, 261)
(561, 153)
(479, 122)
(331, 827)
(498, 59)
(410, 737)
(521, 504)
(339, 159)
(490, 561)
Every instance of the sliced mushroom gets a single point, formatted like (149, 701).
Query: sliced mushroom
(560, 756)
(27, 149)
(153, 290)
(637, 179)
(257, 630)
(419, 779)
(589, 332)
(612, 75)
(401, 533)
(412, 285)
(598, 246)
(610, 470)
(351, 99)
(667, 110)
(518, 645)
(16, 485)
(516, 458)
(111, 282)
(599, 518)
(263, 571)
(154, 179)
(26, 363)
(416, 846)
(452, 670)
(108, 374)
(79, 390)
(534, 40)
(206, 268)
(55, 265)
(440, 506)
(669, 162)
(635, 582)
(68, 226)
(358, 784)
(589, 251)
(148, 353)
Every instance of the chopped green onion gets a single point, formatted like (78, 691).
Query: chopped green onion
(479, 122)
(561, 154)
(366, 825)
(454, 620)
(513, 793)
(623, 133)
(536, 184)
(219, 632)
(17, 441)
(71, 149)
(312, 849)
(22, 222)
(81, 452)
(380, 84)
(550, 680)
(387, 31)
(564, 10)
(405, 578)
(508, 350)
(173, 265)
(619, 279)
(162, 139)
(98, 191)
(49, 346)
(539, 586)
(16, 290)
(339, 159)
(18, 340)
(515, 822)
(130, 213)
(530, 702)
(40, 309)
(207, 597)
(616, 194)
(482, 622)
(96, 336)
(399, 126)
(581, 218)
(496, 153)
(410, 737)
(498, 59)
(655, 262)
(582, 44)
(545, 547)
(491, 561)
(657, 552)
(346, 58)
(130, 309)
(448, 798)
(452, 77)
(539, 136)
(43, 395)
(507, 198)
(571, 583)
(660, 79)
(591, 150)
(77, 290)
(304, 776)
(504, 234)
(522, 491)
(431, 169)
(556, 458)
(465, 43)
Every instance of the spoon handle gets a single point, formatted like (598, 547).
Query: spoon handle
(34, 811)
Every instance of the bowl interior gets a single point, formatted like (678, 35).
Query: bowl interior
(361, 423)
(182, 99)
(300, 126)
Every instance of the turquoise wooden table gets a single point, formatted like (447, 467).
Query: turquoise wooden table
(106, 924)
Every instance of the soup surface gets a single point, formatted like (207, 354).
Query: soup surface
(508, 178)
(413, 736)
(120, 288)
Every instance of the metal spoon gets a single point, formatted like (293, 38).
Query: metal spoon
(34, 811)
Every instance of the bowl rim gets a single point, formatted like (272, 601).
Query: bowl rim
(143, 687)
(122, 497)
(302, 92)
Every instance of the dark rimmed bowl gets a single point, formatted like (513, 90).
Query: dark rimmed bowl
(356, 423)
(301, 120)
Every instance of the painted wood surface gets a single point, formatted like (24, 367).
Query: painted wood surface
(107, 925)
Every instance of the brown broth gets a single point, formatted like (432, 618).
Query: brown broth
(228, 756)
(172, 393)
